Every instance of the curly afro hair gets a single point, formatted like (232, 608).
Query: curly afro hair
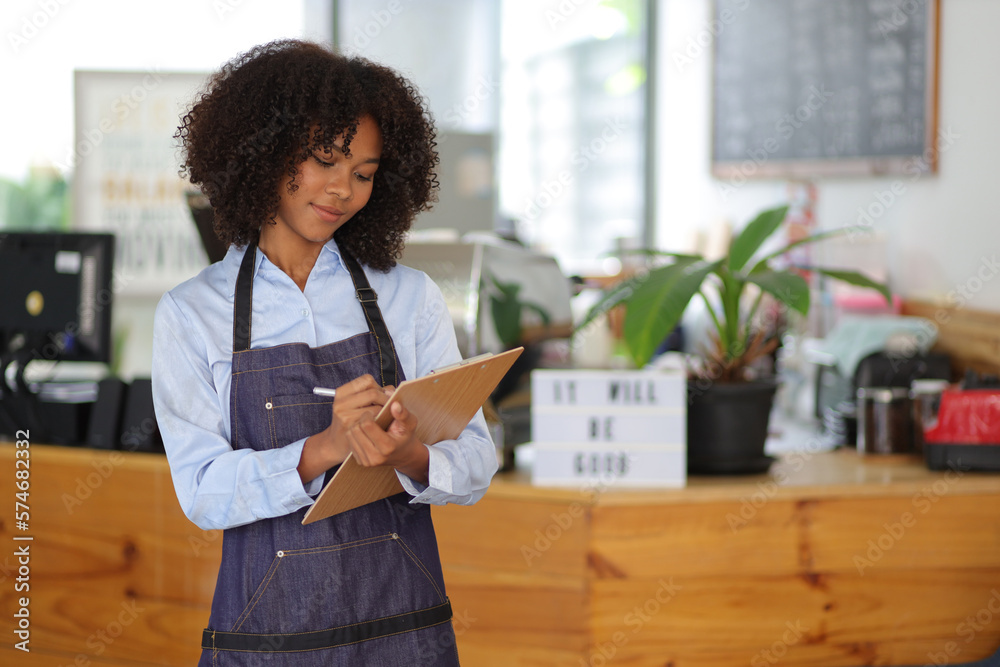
(244, 138)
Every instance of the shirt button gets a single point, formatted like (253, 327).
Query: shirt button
(305, 313)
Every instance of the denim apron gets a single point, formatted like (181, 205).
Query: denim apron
(360, 588)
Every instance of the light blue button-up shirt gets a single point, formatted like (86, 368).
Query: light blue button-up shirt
(219, 487)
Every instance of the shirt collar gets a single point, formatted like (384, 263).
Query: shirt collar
(330, 255)
(329, 259)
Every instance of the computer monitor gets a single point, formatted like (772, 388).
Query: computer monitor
(55, 296)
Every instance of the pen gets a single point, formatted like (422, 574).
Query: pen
(324, 391)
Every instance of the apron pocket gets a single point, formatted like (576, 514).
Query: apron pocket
(311, 589)
(296, 416)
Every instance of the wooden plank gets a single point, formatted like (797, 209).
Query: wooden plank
(971, 337)
(42, 658)
(928, 530)
(931, 530)
(134, 630)
(131, 491)
(104, 545)
(518, 611)
(101, 563)
(500, 653)
(849, 654)
(697, 539)
(514, 536)
(150, 566)
(830, 620)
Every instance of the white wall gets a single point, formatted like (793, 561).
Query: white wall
(942, 232)
(43, 42)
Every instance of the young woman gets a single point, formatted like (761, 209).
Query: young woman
(315, 165)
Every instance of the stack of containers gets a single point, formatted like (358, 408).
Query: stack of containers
(609, 428)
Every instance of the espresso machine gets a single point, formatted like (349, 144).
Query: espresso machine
(486, 281)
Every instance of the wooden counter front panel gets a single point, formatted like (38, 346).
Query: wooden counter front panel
(831, 620)
(118, 574)
(691, 585)
(781, 537)
(547, 577)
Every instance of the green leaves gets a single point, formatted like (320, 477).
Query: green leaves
(812, 238)
(657, 304)
(789, 288)
(753, 236)
(854, 278)
(618, 295)
(506, 307)
(506, 312)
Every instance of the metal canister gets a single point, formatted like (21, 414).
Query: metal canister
(885, 422)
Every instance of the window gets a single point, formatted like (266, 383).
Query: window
(562, 86)
(573, 126)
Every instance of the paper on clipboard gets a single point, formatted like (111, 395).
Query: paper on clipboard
(444, 402)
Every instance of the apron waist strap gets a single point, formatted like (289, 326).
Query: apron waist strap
(329, 638)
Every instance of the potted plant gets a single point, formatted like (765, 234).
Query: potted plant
(728, 407)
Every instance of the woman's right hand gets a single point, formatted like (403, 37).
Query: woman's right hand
(355, 400)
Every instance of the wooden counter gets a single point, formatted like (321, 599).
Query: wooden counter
(829, 560)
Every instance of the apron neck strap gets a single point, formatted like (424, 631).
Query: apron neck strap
(369, 302)
(243, 300)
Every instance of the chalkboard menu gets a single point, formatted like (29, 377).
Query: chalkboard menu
(805, 88)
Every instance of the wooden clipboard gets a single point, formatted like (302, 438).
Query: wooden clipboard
(444, 402)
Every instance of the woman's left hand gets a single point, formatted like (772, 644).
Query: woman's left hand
(396, 446)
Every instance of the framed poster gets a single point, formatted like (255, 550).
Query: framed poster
(126, 174)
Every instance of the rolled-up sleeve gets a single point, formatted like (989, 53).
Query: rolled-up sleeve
(217, 487)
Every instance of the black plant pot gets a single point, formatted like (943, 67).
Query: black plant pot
(727, 426)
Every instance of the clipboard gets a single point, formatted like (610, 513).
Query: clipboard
(444, 402)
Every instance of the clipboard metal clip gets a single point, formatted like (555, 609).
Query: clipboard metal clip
(463, 362)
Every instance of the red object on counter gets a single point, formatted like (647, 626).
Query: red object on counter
(969, 417)
(866, 303)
